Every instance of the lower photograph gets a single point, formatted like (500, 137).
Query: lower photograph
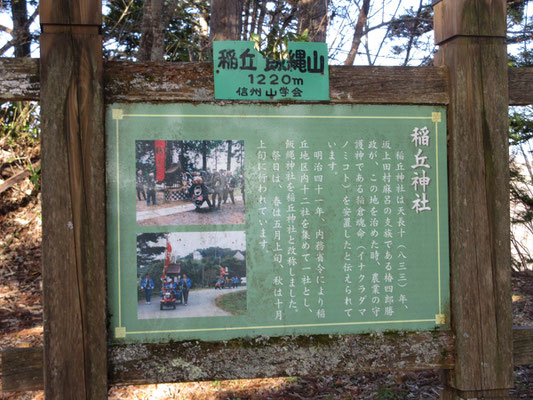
(191, 274)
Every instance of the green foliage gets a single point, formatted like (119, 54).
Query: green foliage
(203, 272)
(184, 40)
(149, 249)
(519, 24)
(412, 24)
(145, 156)
(515, 11)
(276, 44)
(19, 124)
(389, 394)
(234, 302)
(35, 177)
(522, 59)
(521, 185)
(190, 154)
(520, 126)
(20, 138)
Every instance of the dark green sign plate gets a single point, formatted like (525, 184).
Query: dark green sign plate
(335, 220)
(242, 73)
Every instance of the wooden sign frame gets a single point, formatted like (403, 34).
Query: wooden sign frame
(471, 78)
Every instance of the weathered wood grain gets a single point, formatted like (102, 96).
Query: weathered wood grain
(251, 358)
(479, 205)
(19, 79)
(270, 357)
(73, 206)
(520, 86)
(71, 12)
(523, 345)
(392, 85)
(468, 18)
(167, 82)
(134, 82)
(22, 368)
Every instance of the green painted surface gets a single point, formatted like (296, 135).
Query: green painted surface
(334, 242)
(242, 73)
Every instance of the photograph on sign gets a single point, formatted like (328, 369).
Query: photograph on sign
(345, 228)
(191, 274)
(189, 182)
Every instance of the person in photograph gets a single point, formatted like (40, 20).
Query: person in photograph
(241, 184)
(232, 183)
(225, 189)
(139, 184)
(168, 284)
(150, 185)
(218, 186)
(186, 285)
(147, 285)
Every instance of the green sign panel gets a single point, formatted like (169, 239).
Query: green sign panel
(246, 220)
(242, 73)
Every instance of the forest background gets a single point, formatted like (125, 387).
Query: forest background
(358, 32)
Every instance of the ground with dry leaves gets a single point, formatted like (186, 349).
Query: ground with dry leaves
(21, 326)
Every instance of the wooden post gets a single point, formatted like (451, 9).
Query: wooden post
(73, 198)
(471, 35)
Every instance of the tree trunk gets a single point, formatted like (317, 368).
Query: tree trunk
(261, 16)
(230, 143)
(156, 17)
(358, 33)
(183, 160)
(313, 15)
(21, 29)
(204, 155)
(226, 21)
(245, 20)
(145, 46)
(253, 22)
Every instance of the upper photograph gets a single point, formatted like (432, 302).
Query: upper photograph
(190, 182)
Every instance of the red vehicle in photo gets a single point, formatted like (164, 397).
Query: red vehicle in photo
(168, 299)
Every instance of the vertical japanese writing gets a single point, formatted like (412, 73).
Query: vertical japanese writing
(338, 217)
(420, 180)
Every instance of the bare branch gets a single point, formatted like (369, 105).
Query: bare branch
(6, 29)
(358, 33)
(7, 46)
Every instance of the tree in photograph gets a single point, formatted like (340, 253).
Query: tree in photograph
(147, 248)
(229, 156)
(145, 156)
(150, 256)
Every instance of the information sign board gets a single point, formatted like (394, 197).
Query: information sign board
(286, 219)
(242, 73)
